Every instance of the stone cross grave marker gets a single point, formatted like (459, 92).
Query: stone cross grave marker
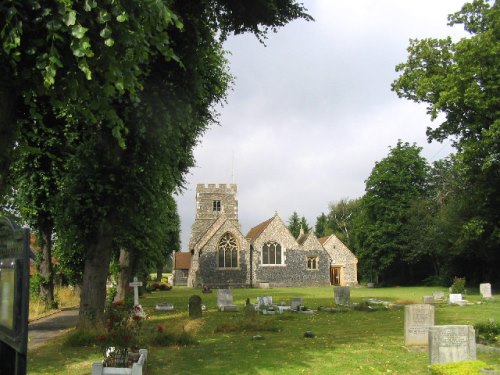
(195, 306)
(225, 300)
(452, 343)
(342, 295)
(485, 290)
(418, 319)
(136, 284)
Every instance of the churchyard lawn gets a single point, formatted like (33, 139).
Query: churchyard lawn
(354, 342)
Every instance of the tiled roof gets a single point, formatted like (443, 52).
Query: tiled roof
(257, 230)
(182, 261)
(322, 240)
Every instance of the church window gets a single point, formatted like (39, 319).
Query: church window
(216, 206)
(227, 252)
(271, 253)
(312, 263)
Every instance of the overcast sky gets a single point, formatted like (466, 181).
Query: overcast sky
(311, 113)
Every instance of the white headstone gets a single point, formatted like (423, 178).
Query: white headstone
(418, 319)
(224, 297)
(265, 301)
(452, 343)
(136, 284)
(455, 298)
(485, 290)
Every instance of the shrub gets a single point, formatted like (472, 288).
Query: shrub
(488, 333)
(458, 285)
(162, 338)
(458, 368)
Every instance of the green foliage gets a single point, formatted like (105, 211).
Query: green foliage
(458, 285)
(321, 227)
(294, 224)
(458, 368)
(382, 236)
(460, 80)
(488, 333)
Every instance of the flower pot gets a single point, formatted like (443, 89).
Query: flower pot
(137, 368)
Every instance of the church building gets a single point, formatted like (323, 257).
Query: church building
(268, 255)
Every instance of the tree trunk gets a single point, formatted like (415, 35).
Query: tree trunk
(159, 271)
(95, 274)
(46, 268)
(126, 262)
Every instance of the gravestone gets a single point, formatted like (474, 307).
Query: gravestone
(418, 319)
(342, 295)
(428, 299)
(485, 290)
(452, 343)
(165, 307)
(264, 301)
(296, 302)
(438, 295)
(136, 284)
(195, 306)
(14, 288)
(456, 298)
(225, 300)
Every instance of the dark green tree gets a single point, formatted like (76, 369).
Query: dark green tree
(340, 219)
(460, 80)
(321, 228)
(294, 224)
(381, 226)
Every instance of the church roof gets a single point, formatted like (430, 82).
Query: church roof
(257, 230)
(322, 240)
(182, 261)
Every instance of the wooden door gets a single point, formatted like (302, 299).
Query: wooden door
(335, 275)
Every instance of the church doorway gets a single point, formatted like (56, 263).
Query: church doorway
(335, 275)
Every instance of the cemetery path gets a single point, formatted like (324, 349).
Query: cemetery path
(42, 330)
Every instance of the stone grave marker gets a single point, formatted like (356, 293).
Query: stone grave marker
(195, 306)
(452, 343)
(456, 298)
(14, 299)
(438, 295)
(296, 302)
(165, 307)
(428, 299)
(136, 284)
(225, 300)
(342, 295)
(264, 301)
(485, 290)
(418, 319)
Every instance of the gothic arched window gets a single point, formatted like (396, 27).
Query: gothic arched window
(271, 253)
(227, 252)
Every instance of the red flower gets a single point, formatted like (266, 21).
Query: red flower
(118, 303)
(159, 328)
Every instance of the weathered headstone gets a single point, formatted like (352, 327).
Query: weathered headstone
(195, 306)
(264, 301)
(14, 287)
(136, 284)
(342, 295)
(438, 295)
(452, 343)
(485, 290)
(165, 307)
(225, 300)
(456, 298)
(427, 299)
(296, 302)
(418, 319)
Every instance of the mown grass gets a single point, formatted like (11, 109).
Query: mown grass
(355, 342)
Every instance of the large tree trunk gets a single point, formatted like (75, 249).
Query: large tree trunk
(95, 274)
(45, 267)
(159, 271)
(126, 262)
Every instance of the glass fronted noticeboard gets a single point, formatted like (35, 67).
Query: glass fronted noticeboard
(7, 293)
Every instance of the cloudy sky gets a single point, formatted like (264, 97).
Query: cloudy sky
(311, 113)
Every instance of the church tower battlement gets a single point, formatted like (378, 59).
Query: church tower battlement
(215, 199)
